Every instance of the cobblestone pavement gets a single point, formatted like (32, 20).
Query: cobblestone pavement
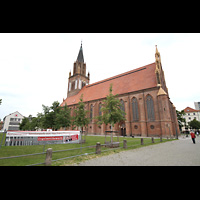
(180, 152)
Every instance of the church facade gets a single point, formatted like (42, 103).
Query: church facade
(143, 95)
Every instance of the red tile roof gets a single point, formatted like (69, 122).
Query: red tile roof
(134, 80)
(188, 109)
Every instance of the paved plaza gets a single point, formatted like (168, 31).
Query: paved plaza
(180, 152)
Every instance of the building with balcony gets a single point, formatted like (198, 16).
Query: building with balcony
(12, 121)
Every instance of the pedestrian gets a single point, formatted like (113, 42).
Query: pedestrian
(197, 133)
(192, 136)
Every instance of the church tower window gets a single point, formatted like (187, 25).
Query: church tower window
(69, 86)
(76, 83)
(80, 84)
(73, 85)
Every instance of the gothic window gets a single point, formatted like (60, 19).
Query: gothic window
(122, 105)
(76, 83)
(80, 84)
(69, 86)
(150, 108)
(135, 109)
(100, 113)
(73, 85)
(91, 112)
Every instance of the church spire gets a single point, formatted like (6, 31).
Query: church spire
(80, 57)
(79, 79)
(158, 69)
(157, 58)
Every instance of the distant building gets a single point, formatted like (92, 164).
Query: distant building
(197, 105)
(191, 114)
(12, 121)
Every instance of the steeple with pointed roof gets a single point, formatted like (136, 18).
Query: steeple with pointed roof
(80, 57)
(160, 77)
(79, 79)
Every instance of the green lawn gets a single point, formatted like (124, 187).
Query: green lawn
(7, 151)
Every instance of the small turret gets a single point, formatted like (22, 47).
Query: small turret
(158, 66)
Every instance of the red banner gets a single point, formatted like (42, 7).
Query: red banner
(74, 137)
(50, 138)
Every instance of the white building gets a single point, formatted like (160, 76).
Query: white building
(12, 121)
(191, 114)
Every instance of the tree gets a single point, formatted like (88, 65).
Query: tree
(63, 117)
(180, 118)
(0, 101)
(25, 124)
(112, 112)
(29, 123)
(194, 124)
(34, 123)
(40, 120)
(81, 120)
(52, 117)
(49, 118)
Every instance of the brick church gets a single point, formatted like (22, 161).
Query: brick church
(142, 92)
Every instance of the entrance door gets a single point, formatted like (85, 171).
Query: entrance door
(123, 131)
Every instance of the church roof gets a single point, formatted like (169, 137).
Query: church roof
(131, 81)
(80, 55)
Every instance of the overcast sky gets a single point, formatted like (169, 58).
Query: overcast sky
(34, 67)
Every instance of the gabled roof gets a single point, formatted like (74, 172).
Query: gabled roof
(188, 109)
(134, 80)
(16, 113)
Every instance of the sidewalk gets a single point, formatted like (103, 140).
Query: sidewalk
(180, 152)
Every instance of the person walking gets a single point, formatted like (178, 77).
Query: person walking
(192, 136)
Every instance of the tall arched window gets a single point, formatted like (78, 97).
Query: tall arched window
(100, 113)
(150, 108)
(135, 109)
(91, 112)
(73, 85)
(122, 107)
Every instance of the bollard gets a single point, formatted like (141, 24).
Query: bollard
(125, 144)
(152, 140)
(142, 142)
(98, 148)
(48, 157)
